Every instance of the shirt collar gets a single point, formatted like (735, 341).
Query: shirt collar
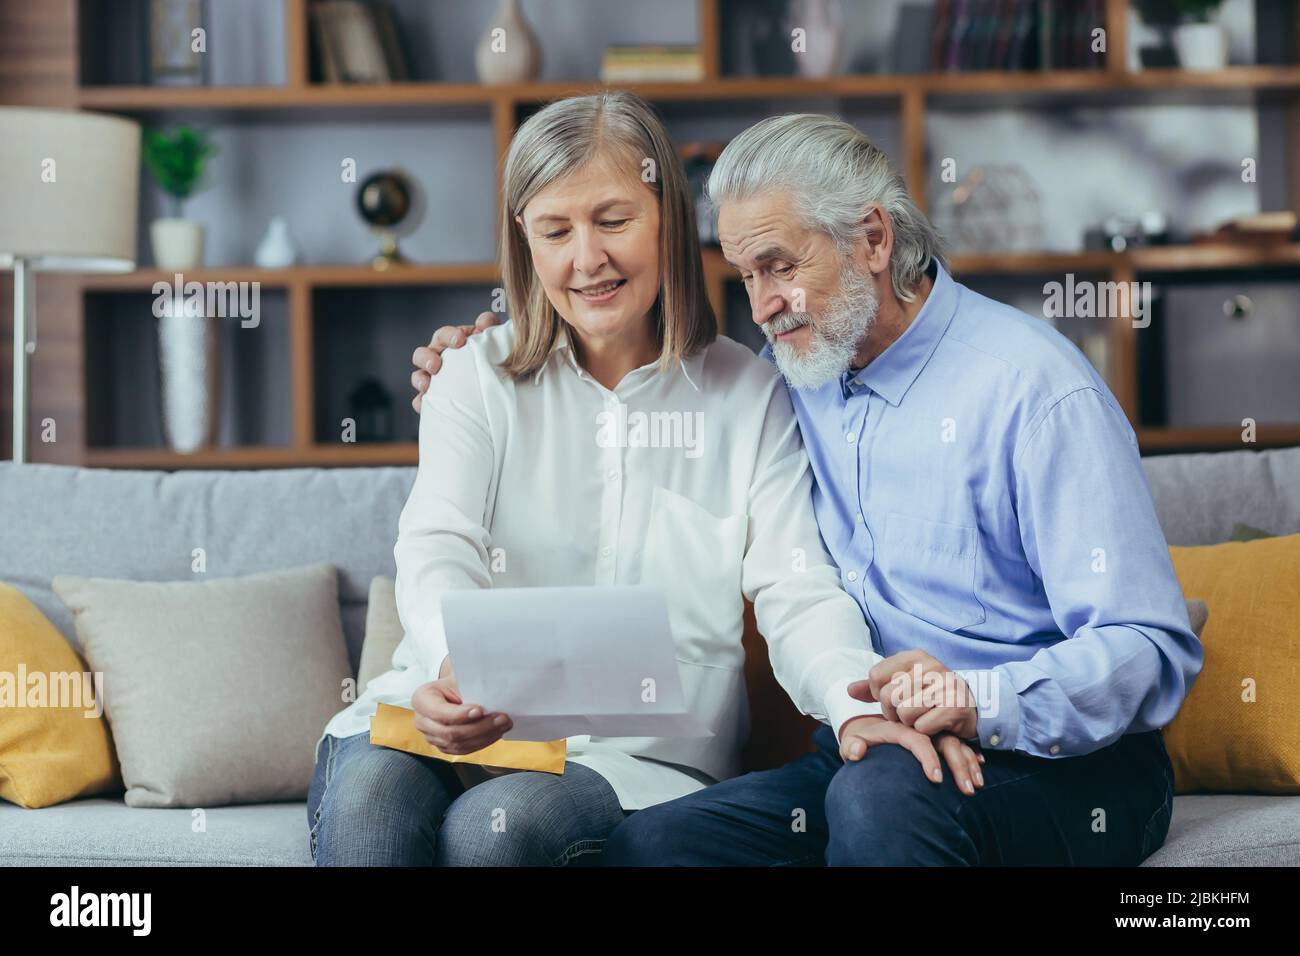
(562, 350)
(892, 372)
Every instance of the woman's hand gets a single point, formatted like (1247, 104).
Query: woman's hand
(861, 733)
(450, 724)
(427, 359)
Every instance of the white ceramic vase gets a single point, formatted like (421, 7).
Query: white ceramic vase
(823, 24)
(1201, 46)
(189, 366)
(508, 52)
(177, 243)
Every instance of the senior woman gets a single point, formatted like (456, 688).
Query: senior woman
(602, 270)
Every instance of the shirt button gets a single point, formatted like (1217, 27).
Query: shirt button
(851, 437)
(1054, 749)
(612, 474)
(859, 517)
(607, 551)
(994, 740)
(852, 575)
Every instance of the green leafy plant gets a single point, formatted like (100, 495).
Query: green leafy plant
(176, 158)
(1198, 11)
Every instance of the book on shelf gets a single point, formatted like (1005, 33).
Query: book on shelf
(1015, 35)
(651, 64)
(357, 42)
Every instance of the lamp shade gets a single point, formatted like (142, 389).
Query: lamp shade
(69, 181)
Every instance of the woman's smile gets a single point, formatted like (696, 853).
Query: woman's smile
(600, 292)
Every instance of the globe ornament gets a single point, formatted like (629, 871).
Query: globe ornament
(389, 201)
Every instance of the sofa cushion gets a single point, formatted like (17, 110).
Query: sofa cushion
(1231, 829)
(383, 631)
(216, 691)
(106, 832)
(1239, 728)
(54, 740)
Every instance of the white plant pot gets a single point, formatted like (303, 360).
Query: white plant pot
(177, 243)
(1201, 46)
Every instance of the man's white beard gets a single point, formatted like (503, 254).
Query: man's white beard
(834, 339)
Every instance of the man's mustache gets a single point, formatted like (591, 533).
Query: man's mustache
(785, 322)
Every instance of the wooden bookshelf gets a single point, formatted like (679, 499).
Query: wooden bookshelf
(912, 97)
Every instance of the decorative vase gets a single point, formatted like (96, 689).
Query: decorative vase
(276, 250)
(823, 24)
(177, 243)
(1201, 46)
(508, 51)
(189, 366)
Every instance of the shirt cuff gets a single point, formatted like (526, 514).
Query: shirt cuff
(997, 708)
(840, 707)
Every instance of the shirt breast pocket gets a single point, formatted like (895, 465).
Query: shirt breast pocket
(696, 558)
(930, 569)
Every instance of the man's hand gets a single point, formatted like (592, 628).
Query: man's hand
(451, 725)
(862, 733)
(919, 692)
(427, 359)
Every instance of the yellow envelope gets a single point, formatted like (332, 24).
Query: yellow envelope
(394, 727)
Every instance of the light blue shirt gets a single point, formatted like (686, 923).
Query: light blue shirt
(983, 496)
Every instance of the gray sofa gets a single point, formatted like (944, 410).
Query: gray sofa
(143, 525)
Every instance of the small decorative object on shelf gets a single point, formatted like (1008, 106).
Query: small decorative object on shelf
(996, 208)
(389, 199)
(371, 407)
(651, 64)
(176, 160)
(357, 42)
(816, 29)
(508, 52)
(1120, 233)
(276, 250)
(177, 42)
(189, 367)
(1257, 229)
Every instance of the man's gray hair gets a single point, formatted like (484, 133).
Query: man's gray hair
(833, 173)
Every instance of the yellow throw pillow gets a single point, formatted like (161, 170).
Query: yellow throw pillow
(50, 750)
(1239, 729)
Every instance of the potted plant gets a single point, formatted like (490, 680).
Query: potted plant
(176, 159)
(1199, 37)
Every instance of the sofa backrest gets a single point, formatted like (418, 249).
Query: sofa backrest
(1200, 497)
(146, 525)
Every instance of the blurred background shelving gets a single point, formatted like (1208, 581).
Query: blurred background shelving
(1098, 140)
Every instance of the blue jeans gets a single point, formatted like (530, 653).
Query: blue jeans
(374, 806)
(1107, 808)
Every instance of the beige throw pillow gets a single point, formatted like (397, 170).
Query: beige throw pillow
(216, 691)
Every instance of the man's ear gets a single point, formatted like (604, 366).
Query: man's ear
(877, 243)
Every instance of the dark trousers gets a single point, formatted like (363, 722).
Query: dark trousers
(1107, 808)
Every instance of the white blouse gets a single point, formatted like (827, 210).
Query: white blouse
(694, 481)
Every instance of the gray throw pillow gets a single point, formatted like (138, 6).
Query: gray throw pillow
(216, 691)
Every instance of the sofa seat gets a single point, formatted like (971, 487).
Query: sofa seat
(1231, 829)
(1210, 830)
(104, 831)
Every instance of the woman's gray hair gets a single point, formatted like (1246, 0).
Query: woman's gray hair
(833, 173)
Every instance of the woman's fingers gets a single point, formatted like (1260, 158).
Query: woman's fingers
(922, 749)
(486, 320)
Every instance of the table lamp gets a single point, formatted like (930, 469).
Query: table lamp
(68, 187)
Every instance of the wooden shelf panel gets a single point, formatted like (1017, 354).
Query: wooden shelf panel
(1218, 437)
(981, 83)
(254, 456)
(468, 273)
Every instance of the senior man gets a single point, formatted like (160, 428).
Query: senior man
(982, 494)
